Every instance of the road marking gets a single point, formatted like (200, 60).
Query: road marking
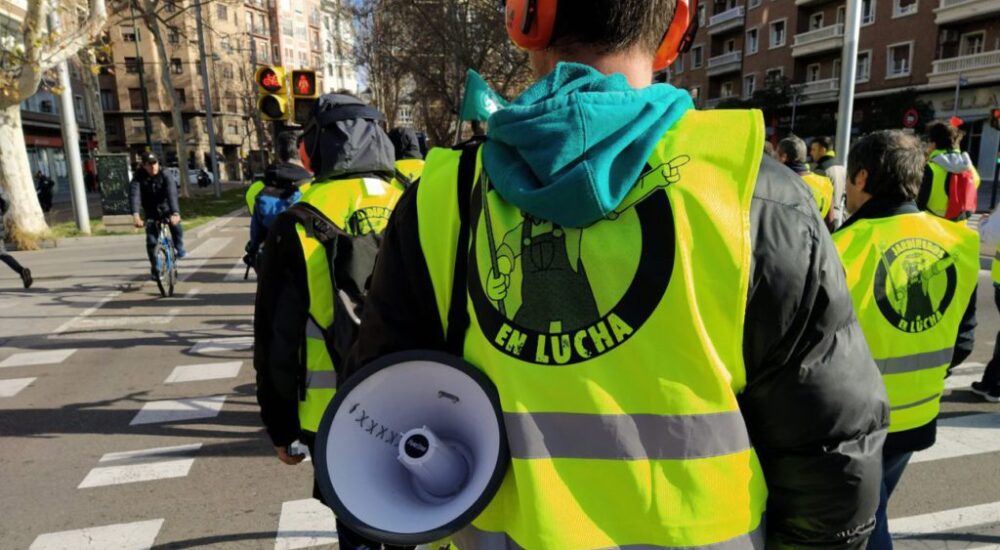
(87, 312)
(208, 371)
(122, 536)
(238, 271)
(32, 358)
(144, 465)
(935, 523)
(192, 293)
(10, 388)
(963, 436)
(201, 255)
(301, 525)
(175, 410)
(219, 345)
(109, 322)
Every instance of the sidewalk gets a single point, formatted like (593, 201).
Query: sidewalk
(62, 204)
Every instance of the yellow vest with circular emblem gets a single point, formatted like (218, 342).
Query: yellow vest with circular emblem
(911, 277)
(411, 168)
(822, 190)
(937, 202)
(252, 192)
(621, 409)
(361, 204)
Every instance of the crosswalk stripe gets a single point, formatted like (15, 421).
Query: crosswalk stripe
(959, 518)
(122, 536)
(34, 358)
(208, 371)
(143, 465)
(127, 321)
(200, 256)
(175, 410)
(217, 345)
(87, 312)
(963, 436)
(13, 386)
(303, 524)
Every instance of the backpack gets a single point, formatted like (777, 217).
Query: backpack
(351, 260)
(962, 195)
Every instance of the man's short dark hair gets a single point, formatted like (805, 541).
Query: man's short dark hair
(824, 142)
(944, 136)
(288, 146)
(894, 161)
(793, 148)
(613, 25)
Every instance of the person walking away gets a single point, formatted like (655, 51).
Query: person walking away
(949, 172)
(43, 187)
(792, 153)
(154, 191)
(825, 164)
(409, 159)
(297, 327)
(5, 257)
(989, 386)
(913, 282)
(701, 319)
(283, 185)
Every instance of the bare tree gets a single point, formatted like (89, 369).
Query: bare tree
(28, 52)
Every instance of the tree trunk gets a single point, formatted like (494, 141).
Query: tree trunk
(24, 219)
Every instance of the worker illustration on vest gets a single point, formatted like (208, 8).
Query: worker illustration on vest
(913, 279)
(652, 301)
(304, 317)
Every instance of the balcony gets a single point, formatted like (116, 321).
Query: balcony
(725, 63)
(727, 20)
(820, 90)
(955, 11)
(715, 101)
(980, 67)
(810, 3)
(818, 41)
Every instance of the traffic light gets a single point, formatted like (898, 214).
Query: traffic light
(995, 118)
(304, 94)
(273, 100)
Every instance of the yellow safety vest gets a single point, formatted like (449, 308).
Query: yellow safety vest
(252, 192)
(411, 168)
(822, 190)
(937, 202)
(617, 350)
(911, 278)
(358, 206)
(995, 267)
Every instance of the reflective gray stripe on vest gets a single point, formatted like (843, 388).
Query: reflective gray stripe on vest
(916, 403)
(321, 380)
(472, 538)
(313, 330)
(625, 437)
(915, 362)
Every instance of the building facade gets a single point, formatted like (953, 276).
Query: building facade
(929, 47)
(337, 38)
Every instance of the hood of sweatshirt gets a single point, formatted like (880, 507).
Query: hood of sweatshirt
(573, 145)
(954, 162)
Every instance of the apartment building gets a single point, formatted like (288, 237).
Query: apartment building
(928, 46)
(338, 69)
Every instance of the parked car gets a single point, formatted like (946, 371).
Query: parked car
(198, 176)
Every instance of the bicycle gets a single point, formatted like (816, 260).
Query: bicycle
(166, 260)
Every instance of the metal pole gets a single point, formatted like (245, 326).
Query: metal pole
(848, 74)
(71, 144)
(142, 82)
(258, 126)
(795, 104)
(208, 100)
(958, 89)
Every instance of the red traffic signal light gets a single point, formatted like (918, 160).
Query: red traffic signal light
(304, 83)
(995, 119)
(271, 79)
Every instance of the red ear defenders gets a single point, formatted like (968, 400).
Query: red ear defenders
(530, 24)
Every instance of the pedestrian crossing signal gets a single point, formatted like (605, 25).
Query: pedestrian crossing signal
(273, 94)
(302, 106)
(304, 94)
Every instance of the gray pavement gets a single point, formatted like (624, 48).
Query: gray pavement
(129, 421)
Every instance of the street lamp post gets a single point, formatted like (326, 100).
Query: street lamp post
(208, 100)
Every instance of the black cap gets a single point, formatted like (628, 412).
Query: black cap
(147, 158)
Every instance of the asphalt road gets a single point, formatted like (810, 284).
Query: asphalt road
(129, 421)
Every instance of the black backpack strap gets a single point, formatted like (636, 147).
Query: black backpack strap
(314, 221)
(404, 179)
(458, 313)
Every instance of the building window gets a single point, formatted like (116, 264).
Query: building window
(221, 12)
(173, 36)
(135, 99)
(277, 53)
(701, 14)
(898, 60)
(729, 46)
(287, 30)
(138, 127)
(836, 69)
(972, 43)
(181, 96)
(176, 67)
(902, 8)
(774, 75)
(728, 89)
(753, 4)
(778, 34)
(812, 72)
(816, 21)
(108, 100)
(695, 93)
(749, 85)
(679, 64)
(752, 42)
(841, 14)
(864, 67)
(696, 57)
(130, 34)
(131, 65)
(867, 12)
(226, 69)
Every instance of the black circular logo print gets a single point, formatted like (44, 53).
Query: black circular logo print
(914, 284)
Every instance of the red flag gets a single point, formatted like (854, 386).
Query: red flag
(956, 122)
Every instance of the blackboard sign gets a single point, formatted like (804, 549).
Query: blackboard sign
(114, 173)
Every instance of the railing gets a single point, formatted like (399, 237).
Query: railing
(726, 16)
(953, 3)
(983, 60)
(831, 31)
(725, 59)
(820, 86)
(715, 101)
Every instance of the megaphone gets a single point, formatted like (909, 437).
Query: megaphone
(412, 448)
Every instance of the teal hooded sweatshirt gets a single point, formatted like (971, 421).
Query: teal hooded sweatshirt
(574, 144)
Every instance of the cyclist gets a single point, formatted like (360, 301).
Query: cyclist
(157, 194)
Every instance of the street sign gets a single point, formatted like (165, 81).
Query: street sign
(911, 118)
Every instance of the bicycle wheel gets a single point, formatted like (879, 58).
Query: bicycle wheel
(172, 278)
(162, 273)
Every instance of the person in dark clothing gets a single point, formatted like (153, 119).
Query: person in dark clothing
(6, 258)
(409, 158)
(153, 191)
(44, 186)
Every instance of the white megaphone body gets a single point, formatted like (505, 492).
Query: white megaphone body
(412, 448)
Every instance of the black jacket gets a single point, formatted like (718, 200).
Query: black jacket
(157, 195)
(814, 404)
(923, 437)
(4, 206)
(286, 175)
